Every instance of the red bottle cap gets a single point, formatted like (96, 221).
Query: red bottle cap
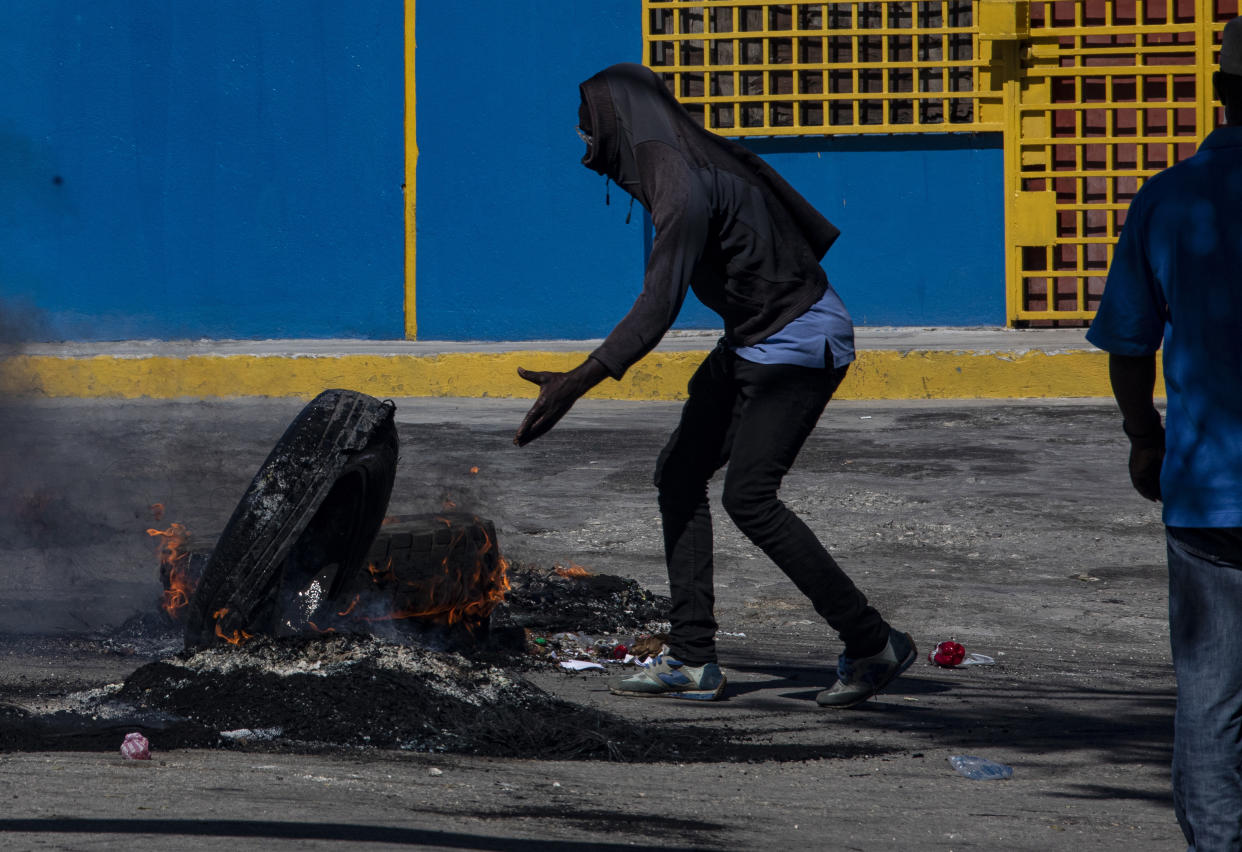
(947, 654)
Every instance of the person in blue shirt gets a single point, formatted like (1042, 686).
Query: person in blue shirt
(729, 228)
(1176, 278)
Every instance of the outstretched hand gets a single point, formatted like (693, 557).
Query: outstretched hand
(557, 394)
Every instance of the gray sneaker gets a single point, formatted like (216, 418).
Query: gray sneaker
(858, 680)
(666, 676)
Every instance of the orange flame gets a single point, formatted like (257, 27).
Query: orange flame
(464, 596)
(351, 606)
(381, 576)
(449, 504)
(157, 511)
(571, 570)
(236, 637)
(474, 469)
(174, 568)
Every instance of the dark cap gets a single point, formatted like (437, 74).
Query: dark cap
(1231, 48)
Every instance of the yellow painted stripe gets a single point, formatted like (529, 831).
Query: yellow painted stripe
(411, 177)
(877, 374)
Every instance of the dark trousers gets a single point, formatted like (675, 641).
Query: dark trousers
(755, 418)
(1205, 588)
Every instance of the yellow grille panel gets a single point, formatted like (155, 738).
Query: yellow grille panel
(1093, 97)
(776, 69)
(1110, 92)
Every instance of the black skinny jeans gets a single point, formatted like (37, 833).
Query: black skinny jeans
(755, 417)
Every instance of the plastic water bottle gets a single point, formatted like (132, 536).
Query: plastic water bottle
(980, 768)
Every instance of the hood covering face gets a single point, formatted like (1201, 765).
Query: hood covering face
(627, 105)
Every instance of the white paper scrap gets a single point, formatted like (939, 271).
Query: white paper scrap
(977, 660)
(580, 665)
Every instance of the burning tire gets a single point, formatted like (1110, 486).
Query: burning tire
(440, 572)
(301, 532)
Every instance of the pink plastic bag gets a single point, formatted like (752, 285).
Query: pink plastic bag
(136, 747)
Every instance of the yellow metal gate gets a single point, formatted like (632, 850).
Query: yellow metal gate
(1107, 94)
(1092, 96)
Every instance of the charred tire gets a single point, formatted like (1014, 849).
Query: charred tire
(318, 500)
(428, 564)
(415, 548)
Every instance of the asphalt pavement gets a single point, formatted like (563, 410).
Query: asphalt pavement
(1008, 526)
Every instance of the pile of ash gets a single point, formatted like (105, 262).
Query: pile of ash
(145, 634)
(356, 691)
(399, 691)
(554, 599)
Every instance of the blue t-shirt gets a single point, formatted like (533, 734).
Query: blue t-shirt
(825, 326)
(1176, 276)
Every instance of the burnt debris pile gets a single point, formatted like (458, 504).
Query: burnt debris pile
(552, 599)
(413, 684)
(316, 622)
(312, 693)
(309, 551)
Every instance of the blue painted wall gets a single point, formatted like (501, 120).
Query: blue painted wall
(230, 169)
(234, 169)
(514, 240)
(921, 218)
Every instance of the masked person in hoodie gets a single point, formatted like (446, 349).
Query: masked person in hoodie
(730, 228)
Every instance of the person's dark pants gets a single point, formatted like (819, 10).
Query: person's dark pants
(755, 417)
(1205, 588)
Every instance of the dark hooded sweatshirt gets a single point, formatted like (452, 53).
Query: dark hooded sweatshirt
(726, 224)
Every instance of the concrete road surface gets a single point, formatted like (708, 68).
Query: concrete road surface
(1010, 527)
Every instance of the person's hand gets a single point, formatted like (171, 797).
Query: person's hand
(1146, 459)
(557, 394)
